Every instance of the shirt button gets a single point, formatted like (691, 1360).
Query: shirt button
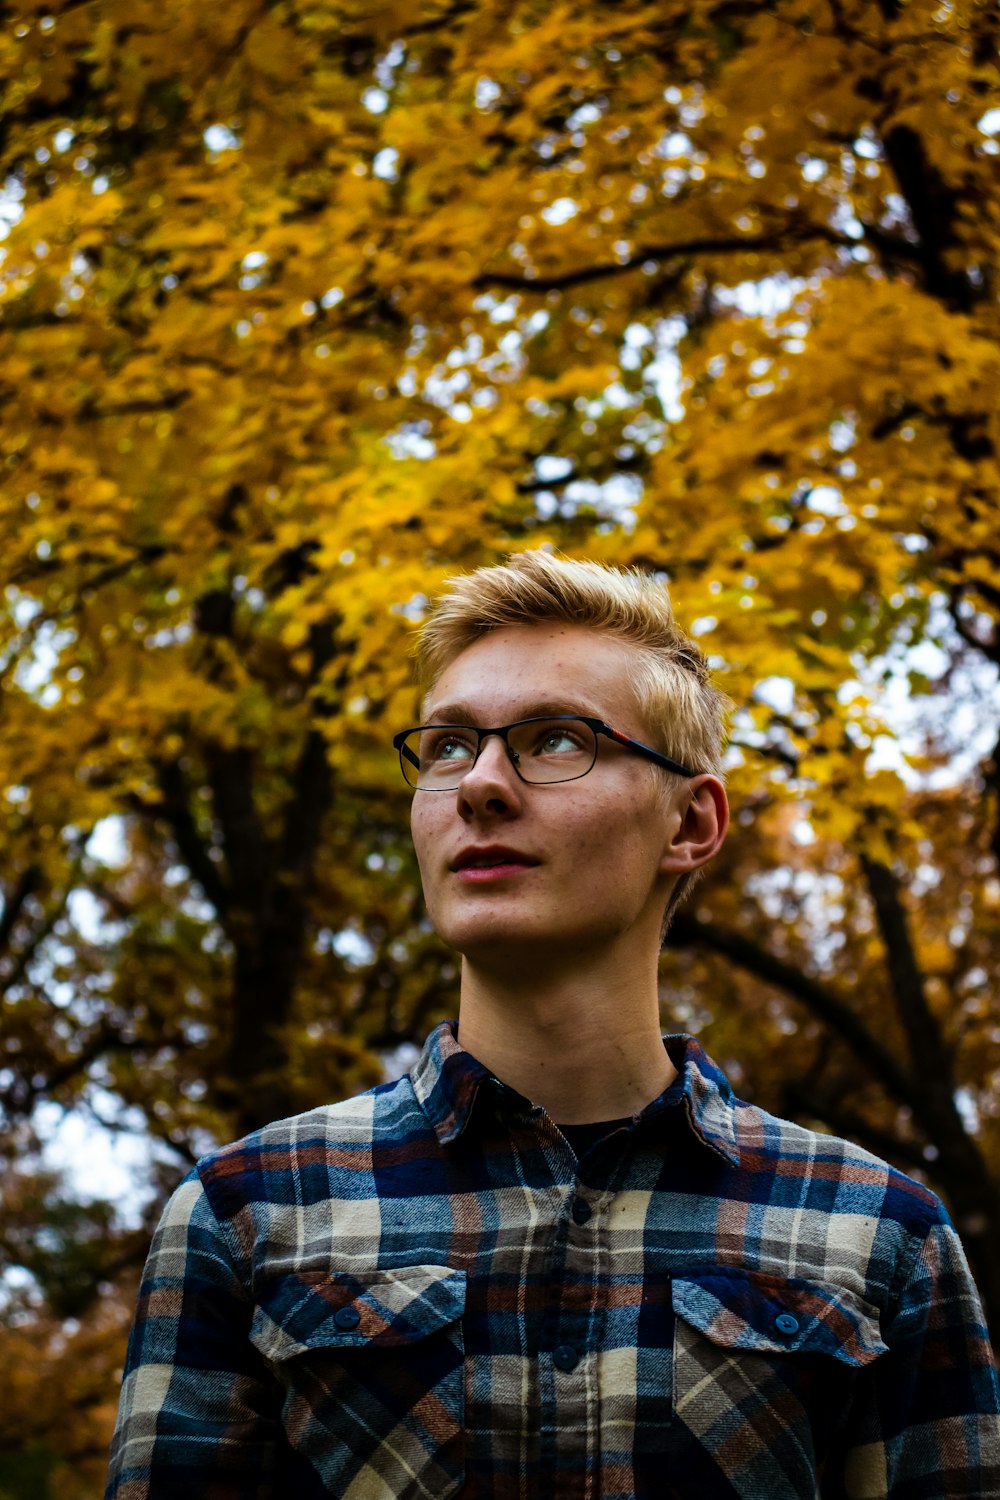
(565, 1357)
(581, 1210)
(787, 1324)
(347, 1318)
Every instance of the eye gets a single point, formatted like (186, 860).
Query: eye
(558, 739)
(448, 745)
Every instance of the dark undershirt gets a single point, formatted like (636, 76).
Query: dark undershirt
(583, 1137)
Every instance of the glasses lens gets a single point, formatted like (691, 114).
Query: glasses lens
(553, 749)
(438, 757)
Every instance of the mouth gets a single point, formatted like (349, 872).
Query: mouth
(482, 863)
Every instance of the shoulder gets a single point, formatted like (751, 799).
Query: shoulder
(836, 1171)
(332, 1151)
(822, 1207)
(783, 1164)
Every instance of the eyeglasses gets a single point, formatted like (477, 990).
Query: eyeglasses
(558, 747)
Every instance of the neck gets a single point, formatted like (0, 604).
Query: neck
(584, 1043)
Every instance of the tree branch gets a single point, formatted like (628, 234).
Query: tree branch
(926, 1044)
(43, 931)
(13, 905)
(991, 777)
(46, 926)
(701, 245)
(100, 1044)
(304, 815)
(934, 210)
(175, 808)
(249, 857)
(934, 1109)
(823, 1002)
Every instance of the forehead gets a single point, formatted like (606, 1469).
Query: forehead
(521, 669)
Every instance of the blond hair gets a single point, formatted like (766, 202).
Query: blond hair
(684, 712)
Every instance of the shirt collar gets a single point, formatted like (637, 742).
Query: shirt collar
(707, 1094)
(447, 1081)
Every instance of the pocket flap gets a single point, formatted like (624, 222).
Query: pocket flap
(771, 1314)
(381, 1309)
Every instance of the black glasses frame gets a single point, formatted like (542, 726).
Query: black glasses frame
(503, 730)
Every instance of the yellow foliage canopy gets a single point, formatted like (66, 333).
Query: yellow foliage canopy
(306, 307)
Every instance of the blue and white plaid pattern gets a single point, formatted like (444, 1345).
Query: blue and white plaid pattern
(421, 1292)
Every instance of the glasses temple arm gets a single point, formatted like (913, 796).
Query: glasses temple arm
(654, 755)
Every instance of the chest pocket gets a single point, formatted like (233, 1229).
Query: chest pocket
(763, 1374)
(372, 1364)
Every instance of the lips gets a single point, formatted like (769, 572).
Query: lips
(489, 856)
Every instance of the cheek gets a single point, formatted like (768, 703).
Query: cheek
(427, 830)
(618, 823)
(625, 837)
(418, 831)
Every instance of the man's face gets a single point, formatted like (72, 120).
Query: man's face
(595, 845)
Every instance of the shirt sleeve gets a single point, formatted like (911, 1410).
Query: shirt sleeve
(926, 1419)
(198, 1414)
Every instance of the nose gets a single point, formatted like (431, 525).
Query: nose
(494, 755)
(492, 780)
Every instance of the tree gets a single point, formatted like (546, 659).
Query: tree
(310, 305)
(868, 1009)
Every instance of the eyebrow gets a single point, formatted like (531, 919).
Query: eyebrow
(461, 713)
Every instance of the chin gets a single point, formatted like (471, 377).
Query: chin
(490, 941)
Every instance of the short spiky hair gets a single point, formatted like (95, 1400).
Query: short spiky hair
(684, 712)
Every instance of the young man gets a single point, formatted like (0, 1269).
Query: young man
(559, 1259)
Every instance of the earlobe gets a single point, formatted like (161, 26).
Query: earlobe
(700, 830)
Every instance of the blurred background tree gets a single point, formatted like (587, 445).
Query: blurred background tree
(307, 306)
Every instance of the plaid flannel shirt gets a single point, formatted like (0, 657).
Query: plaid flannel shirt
(421, 1292)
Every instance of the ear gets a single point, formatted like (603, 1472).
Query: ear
(698, 826)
